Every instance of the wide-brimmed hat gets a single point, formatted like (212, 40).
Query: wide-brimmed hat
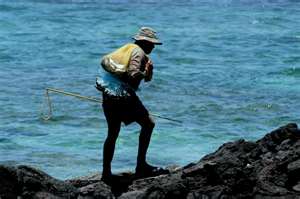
(148, 34)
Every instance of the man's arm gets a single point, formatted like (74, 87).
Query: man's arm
(137, 69)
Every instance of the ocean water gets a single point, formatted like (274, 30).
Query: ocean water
(228, 69)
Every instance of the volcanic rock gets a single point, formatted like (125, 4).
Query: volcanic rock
(267, 168)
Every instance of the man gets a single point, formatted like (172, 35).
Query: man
(120, 102)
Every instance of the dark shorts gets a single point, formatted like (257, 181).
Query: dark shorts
(124, 109)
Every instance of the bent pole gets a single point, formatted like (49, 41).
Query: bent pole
(74, 95)
(92, 99)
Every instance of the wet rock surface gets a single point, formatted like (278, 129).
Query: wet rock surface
(267, 168)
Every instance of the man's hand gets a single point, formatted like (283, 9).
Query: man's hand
(149, 70)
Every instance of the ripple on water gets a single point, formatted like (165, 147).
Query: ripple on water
(225, 79)
(8, 144)
(293, 72)
(10, 8)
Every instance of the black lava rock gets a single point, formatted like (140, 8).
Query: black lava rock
(267, 168)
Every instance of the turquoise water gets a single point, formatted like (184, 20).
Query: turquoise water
(228, 69)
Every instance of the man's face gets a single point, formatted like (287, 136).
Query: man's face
(148, 47)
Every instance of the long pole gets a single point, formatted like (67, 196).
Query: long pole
(74, 95)
(93, 99)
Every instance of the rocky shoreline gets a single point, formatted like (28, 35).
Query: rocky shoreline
(267, 168)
